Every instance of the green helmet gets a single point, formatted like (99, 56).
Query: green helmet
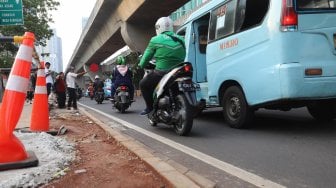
(121, 60)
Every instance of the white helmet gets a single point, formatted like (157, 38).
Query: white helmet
(163, 24)
(96, 77)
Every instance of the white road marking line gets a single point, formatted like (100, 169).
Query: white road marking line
(229, 168)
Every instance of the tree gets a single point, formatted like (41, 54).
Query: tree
(37, 16)
(133, 60)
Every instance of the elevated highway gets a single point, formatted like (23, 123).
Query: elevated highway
(116, 23)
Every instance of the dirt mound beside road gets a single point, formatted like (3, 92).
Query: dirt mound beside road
(100, 160)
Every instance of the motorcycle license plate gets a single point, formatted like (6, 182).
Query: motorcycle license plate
(187, 86)
(123, 93)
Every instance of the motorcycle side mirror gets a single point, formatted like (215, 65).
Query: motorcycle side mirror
(139, 57)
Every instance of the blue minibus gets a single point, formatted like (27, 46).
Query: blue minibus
(271, 54)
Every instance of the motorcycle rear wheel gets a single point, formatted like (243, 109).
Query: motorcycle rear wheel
(185, 121)
(121, 108)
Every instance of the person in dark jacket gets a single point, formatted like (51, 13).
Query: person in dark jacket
(98, 85)
(60, 89)
(122, 74)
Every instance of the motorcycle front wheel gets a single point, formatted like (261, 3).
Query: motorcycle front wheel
(184, 122)
(152, 123)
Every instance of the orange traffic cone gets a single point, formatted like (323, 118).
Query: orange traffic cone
(40, 110)
(13, 153)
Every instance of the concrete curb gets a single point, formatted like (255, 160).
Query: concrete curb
(178, 175)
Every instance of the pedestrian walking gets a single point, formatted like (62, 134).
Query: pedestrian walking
(49, 78)
(71, 87)
(2, 88)
(31, 89)
(60, 90)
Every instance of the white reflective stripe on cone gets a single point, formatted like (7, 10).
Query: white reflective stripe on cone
(17, 83)
(40, 90)
(25, 53)
(41, 73)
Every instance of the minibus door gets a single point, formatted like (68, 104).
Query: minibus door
(200, 36)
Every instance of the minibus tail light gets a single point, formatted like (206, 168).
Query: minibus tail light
(289, 18)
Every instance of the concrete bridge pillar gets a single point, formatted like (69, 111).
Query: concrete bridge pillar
(89, 73)
(136, 36)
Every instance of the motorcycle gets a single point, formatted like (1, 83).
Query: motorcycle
(175, 99)
(99, 96)
(121, 98)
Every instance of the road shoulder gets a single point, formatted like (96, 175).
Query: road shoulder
(177, 174)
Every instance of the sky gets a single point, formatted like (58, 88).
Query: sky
(68, 23)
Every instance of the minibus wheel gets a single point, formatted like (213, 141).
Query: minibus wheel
(323, 110)
(236, 111)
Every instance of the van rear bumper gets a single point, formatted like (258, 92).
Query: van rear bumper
(294, 83)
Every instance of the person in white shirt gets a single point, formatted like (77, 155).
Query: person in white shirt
(71, 87)
(49, 78)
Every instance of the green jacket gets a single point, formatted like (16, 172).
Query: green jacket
(167, 52)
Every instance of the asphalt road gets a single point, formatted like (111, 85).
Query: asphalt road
(287, 149)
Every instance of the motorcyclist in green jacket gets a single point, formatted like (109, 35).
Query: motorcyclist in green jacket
(168, 50)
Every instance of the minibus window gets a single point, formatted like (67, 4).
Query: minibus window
(254, 13)
(182, 32)
(315, 4)
(203, 38)
(223, 20)
(240, 17)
